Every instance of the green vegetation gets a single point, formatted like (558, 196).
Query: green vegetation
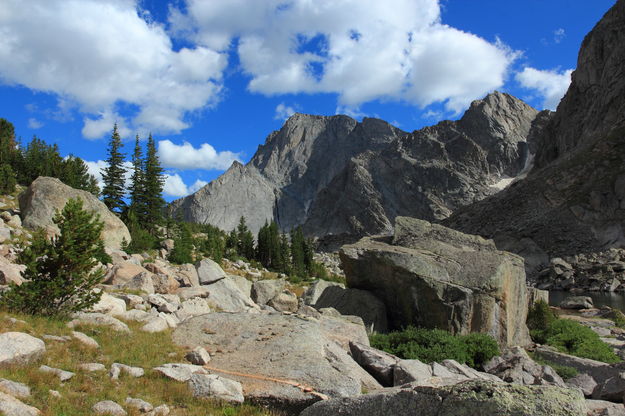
(79, 394)
(7, 179)
(113, 175)
(563, 371)
(183, 246)
(429, 345)
(61, 273)
(567, 336)
(618, 317)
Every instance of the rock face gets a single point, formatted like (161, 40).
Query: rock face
(431, 276)
(44, 195)
(298, 350)
(476, 397)
(574, 200)
(317, 171)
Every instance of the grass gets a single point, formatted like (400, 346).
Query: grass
(563, 371)
(85, 389)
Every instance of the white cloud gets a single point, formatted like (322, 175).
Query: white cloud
(95, 169)
(362, 50)
(34, 124)
(175, 186)
(283, 112)
(102, 126)
(558, 35)
(96, 54)
(186, 156)
(550, 84)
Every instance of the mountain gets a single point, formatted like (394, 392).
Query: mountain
(340, 178)
(574, 200)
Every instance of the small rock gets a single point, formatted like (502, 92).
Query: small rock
(285, 301)
(108, 407)
(55, 394)
(56, 338)
(155, 324)
(215, 387)
(140, 405)
(162, 410)
(15, 389)
(180, 371)
(198, 356)
(92, 367)
(577, 302)
(83, 318)
(85, 339)
(117, 368)
(61, 374)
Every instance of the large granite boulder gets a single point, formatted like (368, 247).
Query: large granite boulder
(45, 195)
(431, 276)
(19, 348)
(475, 397)
(270, 353)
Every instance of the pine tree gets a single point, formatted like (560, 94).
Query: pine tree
(7, 179)
(113, 175)
(61, 273)
(245, 240)
(137, 184)
(9, 153)
(154, 181)
(183, 246)
(298, 252)
(75, 173)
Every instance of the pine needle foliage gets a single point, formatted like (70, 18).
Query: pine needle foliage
(61, 272)
(113, 175)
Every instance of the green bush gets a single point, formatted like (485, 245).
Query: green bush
(7, 179)
(429, 345)
(618, 317)
(576, 339)
(539, 317)
(563, 371)
(61, 273)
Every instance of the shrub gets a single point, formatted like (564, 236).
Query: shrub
(574, 338)
(429, 345)
(61, 272)
(618, 317)
(539, 317)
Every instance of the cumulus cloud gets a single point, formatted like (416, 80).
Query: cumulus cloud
(95, 168)
(34, 124)
(283, 112)
(94, 128)
(96, 54)
(551, 85)
(185, 156)
(175, 186)
(362, 50)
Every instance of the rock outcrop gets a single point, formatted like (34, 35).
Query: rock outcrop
(574, 200)
(45, 195)
(335, 176)
(431, 276)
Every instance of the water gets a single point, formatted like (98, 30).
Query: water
(613, 300)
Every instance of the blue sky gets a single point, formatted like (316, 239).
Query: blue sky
(212, 78)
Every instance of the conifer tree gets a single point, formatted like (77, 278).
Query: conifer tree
(61, 273)
(7, 179)
(298, 252)
(183, 246)
(9, 153)
(245, 240)
(75, 173)
(137, 184)
(154, 181)
(113, 175)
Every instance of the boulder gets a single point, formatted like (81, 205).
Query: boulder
(109, 305)
(577, 302)
(91, 367)
(516, 366)
(45, 195)
(187, 275)
(603, 408)
(164, 283)
(141, 405)
(197, 356)
(180, 371)
(285, 301)
(85, 318)
(85, 339)
(315, 290)
(431, 276)
(15, 389)
(598, 370)
(108, 407)
(611, 389)
(192, 307)
(265, 290)
(19, 348)
(377, 363)
(225, 295)
(243, 283)
(10, 272)
(209, 272)
(534, 295)
(123, 272)
(186, 293)
(212, 386)
(10, 406)
(409, 371)
(584, 382)
(355, 302)
(298, 349)
(141, 282)
(474, 397)
(117, 369)
(61, 374)
(155, 324)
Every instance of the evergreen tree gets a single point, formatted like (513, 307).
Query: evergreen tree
(183, 246)
(262, 246)
(298, 252)
(40, 159)
(285, 255)
(75, 173)
(245, 240)
(274, 246)
(137, 184)
(154, 181)
(7, 179)
(61, 273)
(9, 153)
(113, 175)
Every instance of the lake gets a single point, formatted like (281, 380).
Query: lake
(611, 299)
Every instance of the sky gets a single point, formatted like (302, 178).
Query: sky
(211, 79)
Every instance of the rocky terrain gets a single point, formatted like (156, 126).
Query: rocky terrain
(573, 202)
(340, 178)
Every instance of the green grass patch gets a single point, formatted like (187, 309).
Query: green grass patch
(79, 394)
(429, 345)
(563, 371)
